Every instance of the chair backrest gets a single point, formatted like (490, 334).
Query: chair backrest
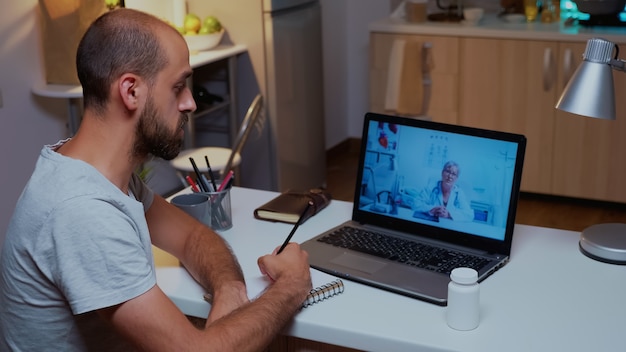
(255, 118)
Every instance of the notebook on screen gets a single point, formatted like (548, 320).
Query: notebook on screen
(443, 196)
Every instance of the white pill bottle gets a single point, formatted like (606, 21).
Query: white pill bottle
(463, 312)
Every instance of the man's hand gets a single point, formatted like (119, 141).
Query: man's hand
(291, 265)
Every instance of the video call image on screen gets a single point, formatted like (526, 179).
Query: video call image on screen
(408, 168)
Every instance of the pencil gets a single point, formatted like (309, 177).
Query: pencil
(192, 184)
(206, 158)
(203, 186)
(226, 181)
(295, 227)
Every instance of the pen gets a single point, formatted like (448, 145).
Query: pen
(295, 227)
(226, 180)
(230, 182)
(206, 158)
(193, 185)
(206, 182)
(204, 187)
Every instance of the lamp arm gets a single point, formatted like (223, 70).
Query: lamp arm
(618, 65)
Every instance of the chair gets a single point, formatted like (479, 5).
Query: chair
(368, 187)
(224, 159)
(379, 186)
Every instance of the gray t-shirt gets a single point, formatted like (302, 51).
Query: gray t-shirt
(75, 244)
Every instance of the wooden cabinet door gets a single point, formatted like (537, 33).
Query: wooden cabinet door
(443, 101)
(509, 85)
(589, 159)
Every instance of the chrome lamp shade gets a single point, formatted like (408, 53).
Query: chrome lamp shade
(590, 90)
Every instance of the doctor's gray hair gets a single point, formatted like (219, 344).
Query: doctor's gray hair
(451, 163)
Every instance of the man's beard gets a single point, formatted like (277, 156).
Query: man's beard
(152, 137)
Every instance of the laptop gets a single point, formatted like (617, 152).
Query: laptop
(438, 196)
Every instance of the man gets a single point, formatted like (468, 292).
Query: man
(77, 257)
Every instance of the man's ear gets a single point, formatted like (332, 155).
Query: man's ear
(130, 91)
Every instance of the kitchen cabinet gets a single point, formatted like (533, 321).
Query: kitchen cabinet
(588, 153)
(513, 85)
(510, 80)
(510, 85)
(443, 102)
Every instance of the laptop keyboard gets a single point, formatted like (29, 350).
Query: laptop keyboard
(403, 251)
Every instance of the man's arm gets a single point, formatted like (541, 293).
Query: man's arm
(152, 322)
(204, 254)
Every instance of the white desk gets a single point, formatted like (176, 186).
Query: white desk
(550, 297)
(75, 92)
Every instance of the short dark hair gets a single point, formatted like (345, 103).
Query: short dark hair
(120, 41)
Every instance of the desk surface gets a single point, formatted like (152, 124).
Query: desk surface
(549, 297)
(195, 60)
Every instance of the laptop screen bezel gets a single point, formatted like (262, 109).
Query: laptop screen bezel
(441, 234)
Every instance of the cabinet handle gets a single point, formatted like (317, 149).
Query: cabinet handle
(567, 66)
(548, 69)
(427, 66)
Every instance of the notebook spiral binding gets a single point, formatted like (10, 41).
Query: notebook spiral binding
(323, 292)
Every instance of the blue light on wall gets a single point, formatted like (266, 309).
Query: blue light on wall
(569, 9)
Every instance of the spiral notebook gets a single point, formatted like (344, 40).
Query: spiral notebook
(324, 286)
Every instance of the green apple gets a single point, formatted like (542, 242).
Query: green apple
(112, 3)
(211, 24)
(192, 23)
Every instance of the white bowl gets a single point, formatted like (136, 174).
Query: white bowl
(200, 42)
(473, 15)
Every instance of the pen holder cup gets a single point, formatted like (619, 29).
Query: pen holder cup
(195, 204)
(220, 209)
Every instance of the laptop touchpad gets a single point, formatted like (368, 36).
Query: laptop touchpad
(356, 262)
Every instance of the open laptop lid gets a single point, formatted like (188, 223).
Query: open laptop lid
(401, 167)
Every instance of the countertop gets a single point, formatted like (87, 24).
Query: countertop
(549, 297)
(494, 26)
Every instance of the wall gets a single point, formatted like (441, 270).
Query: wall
(336, 43)
(346, 81)
(28, 122)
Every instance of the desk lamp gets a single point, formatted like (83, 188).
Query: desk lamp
(590, 93)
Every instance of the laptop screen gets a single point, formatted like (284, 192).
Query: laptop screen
(424, 175)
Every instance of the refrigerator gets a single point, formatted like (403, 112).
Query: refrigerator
(284, 63)
(293, 54)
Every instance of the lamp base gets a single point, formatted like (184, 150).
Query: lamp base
(605, 243)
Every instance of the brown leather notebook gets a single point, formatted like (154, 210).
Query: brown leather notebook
(289, 205)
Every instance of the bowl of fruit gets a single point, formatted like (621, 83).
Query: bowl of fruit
(201, 34)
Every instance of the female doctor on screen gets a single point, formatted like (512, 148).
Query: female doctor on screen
(445, 200)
